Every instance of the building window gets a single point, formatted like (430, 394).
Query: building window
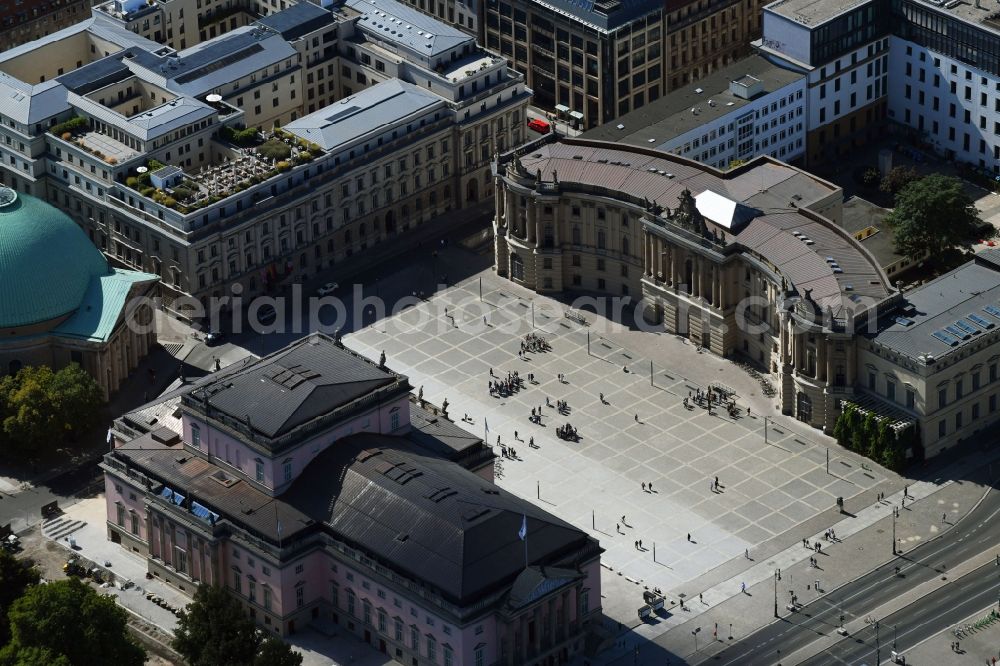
(180, 560)
(958, 389)
(238, 582)
(394, 421)
(449, 658)
(259, 471)
(942, 428)
(975, 380)
(351, 601)
(135, 522)
(942, 397)
(890, 389)
(252, 590)
(121, 514)
(288, 471)
(958, 421)
(267, 598)
(480, 659)
(432, 649)
(910, 399)
(993, 403)
(300, 596)
(415, 639)
(398, 630)
(975, 411)
(195, 436)
(871, 381)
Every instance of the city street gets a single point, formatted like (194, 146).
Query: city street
(979, 531)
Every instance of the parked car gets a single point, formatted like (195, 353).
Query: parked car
(539, 125)
(327, 289)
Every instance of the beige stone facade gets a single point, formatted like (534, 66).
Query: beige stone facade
(590, 217)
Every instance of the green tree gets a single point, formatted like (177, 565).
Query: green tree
(880, 441)
(33, 656)
(893, 455)
(933, 214)
(897, 178)
(67, 619)
(16, 576)
(213, 630)
(735, 164)
(276, 652)
(39, 407)
(843, 428)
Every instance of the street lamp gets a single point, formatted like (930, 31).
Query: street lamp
(893, 530)
(695, 634)
(777, 577)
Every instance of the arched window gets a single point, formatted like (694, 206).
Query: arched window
(625, 245)
(516, 267)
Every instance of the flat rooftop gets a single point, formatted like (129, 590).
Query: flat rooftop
(368, 112)
(670, 116)
(947, 314)
(860, 215)
(812, 12)
(812, 252)
(394, 22)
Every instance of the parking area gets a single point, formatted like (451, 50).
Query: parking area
(640, 434)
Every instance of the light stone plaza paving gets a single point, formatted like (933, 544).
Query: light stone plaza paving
(640, 434)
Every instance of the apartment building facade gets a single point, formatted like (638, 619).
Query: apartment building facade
(25, 21)
(253, 222)
(749, 108)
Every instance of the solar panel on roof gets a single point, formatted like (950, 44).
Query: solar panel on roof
(993, 310)
(945, 338)
(966, 328)
(958, 333)
(980, 321)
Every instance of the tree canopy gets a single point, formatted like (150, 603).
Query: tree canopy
(213, 631)
(16, 576)
(933, 214)
(67, 622)
(39, 407)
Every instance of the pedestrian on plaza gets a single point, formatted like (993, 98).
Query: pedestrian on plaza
(743, 588)
(491, 373)
(944, 517)
(746, 553)
(516, 438)
(484, 321)
(618, 528)
(716, 482)
(701, 597)
(636, 544)
(531, 441)
(643, 487)
(650, 484)
(748, 410)
(640, 544)
(636, 418)
(689, 536)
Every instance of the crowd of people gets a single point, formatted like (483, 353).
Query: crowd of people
(534, 343)
(505, 388)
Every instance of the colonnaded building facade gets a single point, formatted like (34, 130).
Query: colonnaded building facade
(316, 488)
(750, 262)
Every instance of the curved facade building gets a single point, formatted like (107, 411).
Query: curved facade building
(61, 302)
(749, 262)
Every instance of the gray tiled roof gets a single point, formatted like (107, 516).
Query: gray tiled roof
(370, 111)
(430, 518)
(391, 21)
(298, 20)
(778, 191)
(940, 303)
(307, 379)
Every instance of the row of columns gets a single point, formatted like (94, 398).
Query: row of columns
(668, 262)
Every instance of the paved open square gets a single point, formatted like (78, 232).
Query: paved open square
(640, 433)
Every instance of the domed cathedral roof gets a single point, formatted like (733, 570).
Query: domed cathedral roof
(46, 261)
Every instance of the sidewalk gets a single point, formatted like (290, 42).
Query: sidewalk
(869, 532)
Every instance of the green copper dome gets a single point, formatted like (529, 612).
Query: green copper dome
(46, 261)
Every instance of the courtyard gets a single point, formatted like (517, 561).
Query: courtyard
(640, 433)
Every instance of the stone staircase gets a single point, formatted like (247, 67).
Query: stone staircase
(58, 528)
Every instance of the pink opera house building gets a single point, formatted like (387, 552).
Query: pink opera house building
(318, 491)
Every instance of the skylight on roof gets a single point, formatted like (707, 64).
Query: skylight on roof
(945, 338)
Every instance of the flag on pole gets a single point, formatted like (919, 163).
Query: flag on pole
(523, 532)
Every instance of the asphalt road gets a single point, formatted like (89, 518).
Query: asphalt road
(932, 614)
(24, 508)
(977, 532)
